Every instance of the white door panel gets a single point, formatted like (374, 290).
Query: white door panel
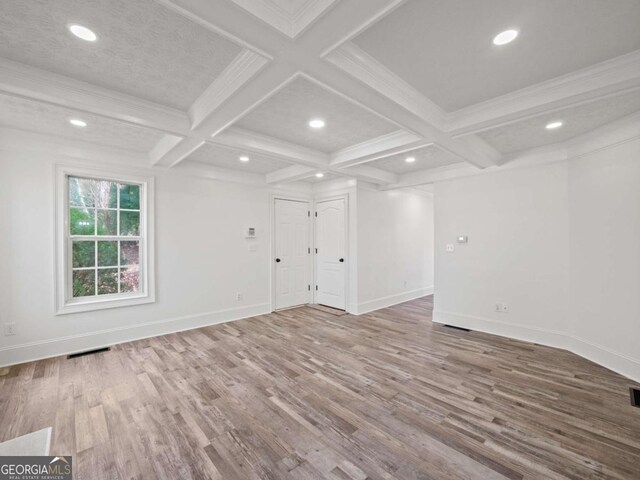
(331, 253)
(292, 253)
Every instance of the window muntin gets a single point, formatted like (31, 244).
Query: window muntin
(104, 238)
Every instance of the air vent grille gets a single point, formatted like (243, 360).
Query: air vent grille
(89, 352)
(458, 328)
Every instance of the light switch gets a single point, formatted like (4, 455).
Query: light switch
(252, 246)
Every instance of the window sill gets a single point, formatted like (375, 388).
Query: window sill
(79, 306)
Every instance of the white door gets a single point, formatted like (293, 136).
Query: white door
(292, 253)
(331, 253)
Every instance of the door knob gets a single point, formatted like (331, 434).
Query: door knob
(342, 260)
(277, 260)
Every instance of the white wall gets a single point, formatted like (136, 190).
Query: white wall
(201, 261)
(202, 258)
(395, 247)
(558, 243)
(604, 192)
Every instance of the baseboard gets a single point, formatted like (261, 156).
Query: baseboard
(391, 300)
(28, 352)
(622, 364)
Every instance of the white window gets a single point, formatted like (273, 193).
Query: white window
(104, 241)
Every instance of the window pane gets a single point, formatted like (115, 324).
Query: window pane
(130, 280)
(130, 197)
(107, 254)
(81, 221)
(84, 254)
(129, 253)
(107, 221)
(107, 281)
(84, 283)
(129, 223)
(86, 192)
(106, 194)
(81, 192)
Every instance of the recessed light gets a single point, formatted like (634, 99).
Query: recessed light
(410, 159)
(319, 175)
(83, 32)
(243, 158)
(76, 122)
(316, 123)
(505, 37)
(553, 125)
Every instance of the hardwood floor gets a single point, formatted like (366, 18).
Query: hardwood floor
(304, 394)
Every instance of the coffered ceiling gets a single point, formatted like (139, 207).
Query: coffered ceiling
(287, 113)
(196, 84)
(443, 48)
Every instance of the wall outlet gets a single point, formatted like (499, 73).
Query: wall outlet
(239, 296)
(450, 247)
(502, 308)
(9, 329)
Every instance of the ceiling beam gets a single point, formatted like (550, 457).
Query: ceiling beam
(32, 83)
(376, 148)
(247, 140)
(290, 174)
(606, 78)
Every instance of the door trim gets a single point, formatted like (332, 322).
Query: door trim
(272, 249)
(347, 290)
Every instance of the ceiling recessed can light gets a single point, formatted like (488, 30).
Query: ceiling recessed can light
(316, 123)
(83, 32)
(410, 159)
(76, 122)
(505, 37)
(553, 125)
(319, 175)
(243, 158)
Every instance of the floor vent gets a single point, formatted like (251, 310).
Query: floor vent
(89, 352)
(635, 396)
(458, 328)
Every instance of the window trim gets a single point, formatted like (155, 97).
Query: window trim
(64, 303)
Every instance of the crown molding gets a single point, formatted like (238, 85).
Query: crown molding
(606, 78)
(372, 73)
(375, 148)
(21, 141)
(32, 83)
(241, 70)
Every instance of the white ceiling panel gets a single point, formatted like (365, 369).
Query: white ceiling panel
(444, 47)
(425, 158)
(224, 157)
(286, 114)
(43, 118)
(576, 120)
(143, 49)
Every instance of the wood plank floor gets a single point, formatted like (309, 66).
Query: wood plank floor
(304, 394)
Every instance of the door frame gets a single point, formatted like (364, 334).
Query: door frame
(272, 249)
(345, 197)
